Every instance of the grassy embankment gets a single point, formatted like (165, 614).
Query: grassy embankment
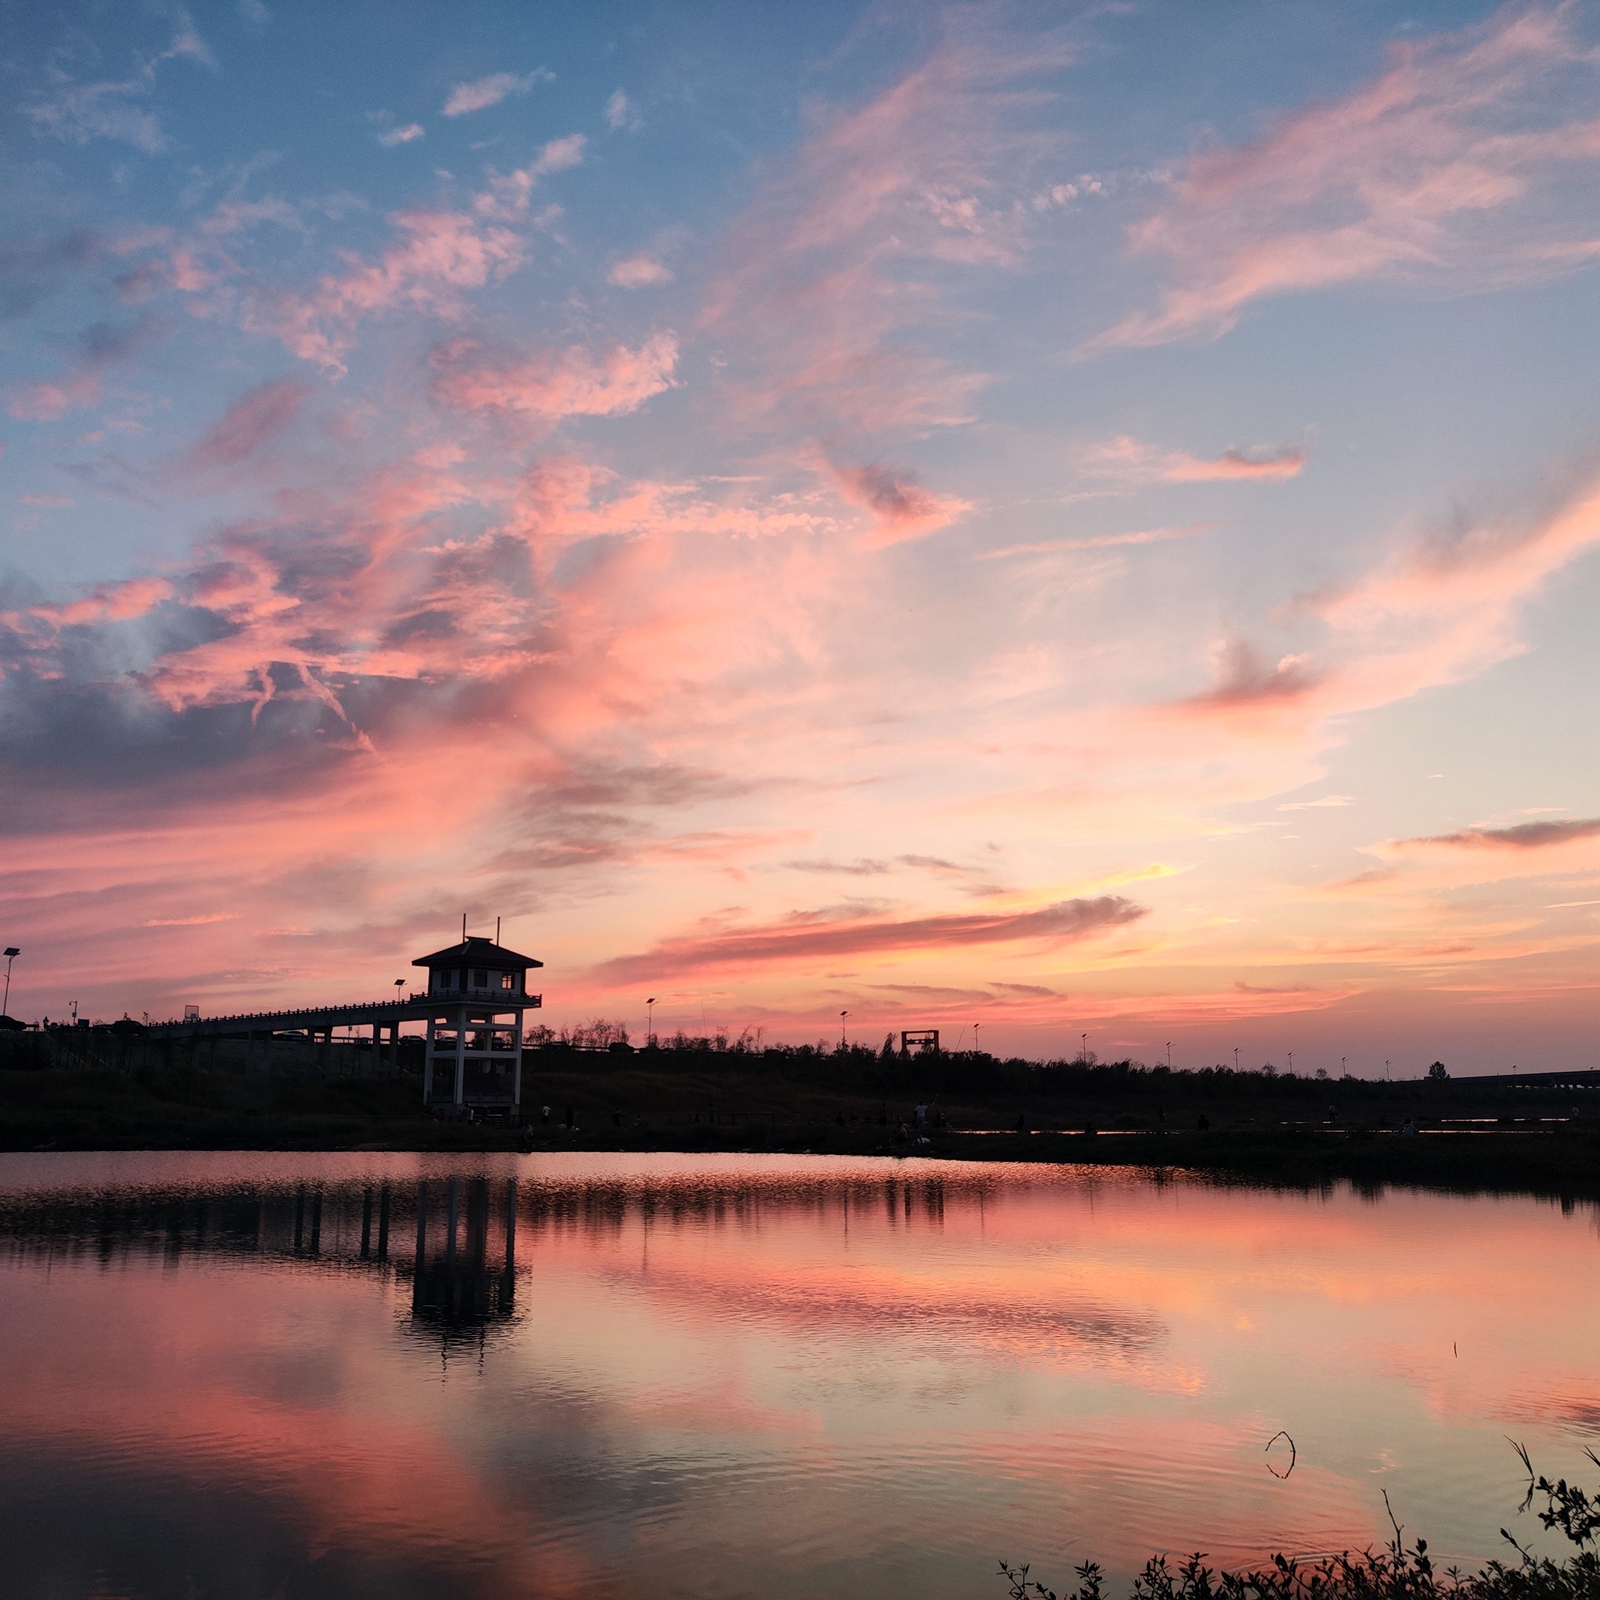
(1273, 1129)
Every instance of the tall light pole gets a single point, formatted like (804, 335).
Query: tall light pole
(842, 1016)
(1169, 1055)
(650, 1021)
(975, 1027)
(12, 952)
(1236, 1058)
(1291, 1063)
(1084, 1058)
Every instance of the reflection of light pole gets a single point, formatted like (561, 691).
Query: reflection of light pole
(842, 1016)
(12, 952)
(649, 1020)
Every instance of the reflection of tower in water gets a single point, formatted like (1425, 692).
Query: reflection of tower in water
(462, 1284)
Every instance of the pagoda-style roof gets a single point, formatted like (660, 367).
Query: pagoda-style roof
(476, 952)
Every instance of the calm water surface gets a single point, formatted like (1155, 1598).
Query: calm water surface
(397, 1375)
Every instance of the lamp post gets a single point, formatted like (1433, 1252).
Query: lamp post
(1169, 1055)
(1084, 1057)
(650, 1021)
(1291, 1063)
(1236, 1058)
(12, 952)
(842, 1016)
(975, 1027)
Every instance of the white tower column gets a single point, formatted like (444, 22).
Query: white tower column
(461, 1054)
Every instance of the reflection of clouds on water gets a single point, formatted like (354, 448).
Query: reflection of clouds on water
(714, 1376)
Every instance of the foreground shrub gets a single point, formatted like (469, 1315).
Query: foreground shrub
(1394, 1573)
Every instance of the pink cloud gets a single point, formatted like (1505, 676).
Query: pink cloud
(1433, 173)
(439, 257)
(109, 602)
(821, 936)
(557, 383)
(249, 423)
(901, 508)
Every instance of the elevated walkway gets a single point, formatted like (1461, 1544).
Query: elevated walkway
(312, 1019)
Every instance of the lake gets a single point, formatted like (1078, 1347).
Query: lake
(253, 1375)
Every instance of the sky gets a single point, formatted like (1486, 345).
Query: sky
(1070, 525)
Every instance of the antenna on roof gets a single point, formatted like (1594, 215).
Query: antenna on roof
(497, 930)
(463, 927)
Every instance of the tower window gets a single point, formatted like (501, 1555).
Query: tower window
(508, 980)
(480, 977)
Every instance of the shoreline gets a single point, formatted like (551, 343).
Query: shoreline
(1559, 1164)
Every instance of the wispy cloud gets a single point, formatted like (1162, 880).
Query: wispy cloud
(819, 284)
(900, 507)
(1521, 836)
(821, 936)
(248, 424)
(1099, 541)
(1130, 460)
(556, 383)
(393, 136)
(1434, 173)
(482, 93)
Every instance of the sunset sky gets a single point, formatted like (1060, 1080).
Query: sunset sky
(1069, 520)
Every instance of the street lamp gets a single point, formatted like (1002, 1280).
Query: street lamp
(1169, 1055)
(842, 1016)
(649, 1021)
(1085, 1056)
(12, 952)
(1236, 1058)
(975, 1027)
(1291, 1063)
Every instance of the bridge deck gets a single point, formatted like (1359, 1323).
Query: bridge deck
(414, 1008)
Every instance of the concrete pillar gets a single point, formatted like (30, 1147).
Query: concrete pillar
(377, 1049)
(427, 1065)
(327, 1049)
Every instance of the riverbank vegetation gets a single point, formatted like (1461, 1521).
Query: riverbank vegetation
(1398, 1572)
(712, 1095)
